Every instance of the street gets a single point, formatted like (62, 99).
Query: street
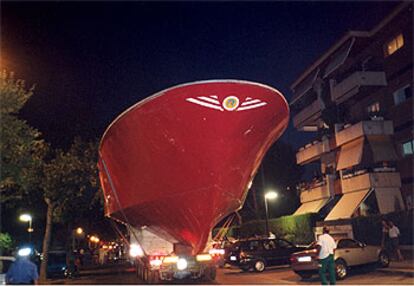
(276, 275)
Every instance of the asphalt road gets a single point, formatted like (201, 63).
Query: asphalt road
(277, 275)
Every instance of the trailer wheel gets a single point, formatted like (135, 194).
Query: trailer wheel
(213, 273)
(153, 277)
(210, 273)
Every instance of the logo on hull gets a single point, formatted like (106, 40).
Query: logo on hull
(230, 103)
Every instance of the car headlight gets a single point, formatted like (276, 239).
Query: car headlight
(182, 264)
(203, 257)
(170, 259)
(24, 251)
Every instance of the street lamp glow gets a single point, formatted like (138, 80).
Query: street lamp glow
(271, 195)
(79, 230)
(25, 218)
(24, 251)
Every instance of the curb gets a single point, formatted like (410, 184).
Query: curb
(406, 272)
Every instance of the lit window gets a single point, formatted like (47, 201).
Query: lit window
(374, 108)
(408, 148)
(402, 94)
(393, 45)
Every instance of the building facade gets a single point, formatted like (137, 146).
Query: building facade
(357, 100)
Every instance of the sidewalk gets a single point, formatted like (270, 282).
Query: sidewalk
(402, 267)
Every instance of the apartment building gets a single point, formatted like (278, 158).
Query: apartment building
(357, 101)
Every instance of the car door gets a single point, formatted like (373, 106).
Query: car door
(284, 249)
(256, 250)
(351, 251)
(270, 249)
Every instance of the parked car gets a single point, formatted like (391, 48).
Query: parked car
(56, 264)
(5, 262)
(258, 253)
(349, 253)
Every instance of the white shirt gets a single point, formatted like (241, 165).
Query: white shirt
(394, 232)
(327, 244)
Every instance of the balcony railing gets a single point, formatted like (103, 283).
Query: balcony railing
(308, 113)
(317, 190)
(379, 178)
(312, 152)
(352, 84)
(372, 127)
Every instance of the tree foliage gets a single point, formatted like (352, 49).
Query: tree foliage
(67, 181)
(6, 242)
(21, 147)
(70, 181)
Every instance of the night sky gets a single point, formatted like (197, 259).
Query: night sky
(92, 60)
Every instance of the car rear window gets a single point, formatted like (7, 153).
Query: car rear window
(5, 265)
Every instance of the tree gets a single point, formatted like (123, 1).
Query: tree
(66, 181)
(69, 186)
(6, 242)
(21, 147)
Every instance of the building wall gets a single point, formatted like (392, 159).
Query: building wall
(368, 53)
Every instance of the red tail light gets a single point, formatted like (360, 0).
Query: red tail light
(242, 254)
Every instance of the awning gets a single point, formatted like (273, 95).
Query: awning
(339, 57)
(311, 207)
(350, 154)
(382, 148)
(389, 200)
(347, 205)
(304, 86)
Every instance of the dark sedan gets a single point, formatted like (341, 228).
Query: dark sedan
(258, 253)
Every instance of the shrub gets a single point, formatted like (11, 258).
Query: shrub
(297, 229)
(369, 229)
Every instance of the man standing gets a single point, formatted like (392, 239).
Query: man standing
(394, 234)
(22, 271)
(326, 246)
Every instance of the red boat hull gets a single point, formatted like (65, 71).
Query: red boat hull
(181, 160)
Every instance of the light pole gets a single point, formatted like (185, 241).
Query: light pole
(270, 195)
(27, 218)
(77, 233)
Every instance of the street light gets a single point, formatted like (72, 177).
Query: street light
(270, 195)
(77, 235)
(27, 218)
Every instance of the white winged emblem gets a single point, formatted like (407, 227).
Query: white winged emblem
(230, 103)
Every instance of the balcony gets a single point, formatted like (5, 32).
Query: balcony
(363, 128)
(308, 115)
(352, 84)
(310, 153)
(362, 180)
(318, 190)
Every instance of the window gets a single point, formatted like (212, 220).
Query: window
(284, 244)
(408, 148)
(393, 45)
(347, 243)
(402, 94)
(373, 108)
(269, 245)
(254, 245)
